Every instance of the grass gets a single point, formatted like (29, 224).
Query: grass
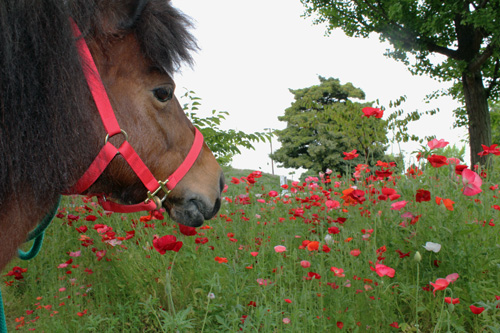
(135, 289)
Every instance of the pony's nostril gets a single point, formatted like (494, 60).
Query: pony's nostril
(216, 207)
(222, 183)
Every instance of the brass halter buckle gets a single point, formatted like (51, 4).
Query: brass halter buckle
(153, 196)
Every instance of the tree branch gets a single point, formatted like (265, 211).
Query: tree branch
(494, 80)
(409, 36)
(476, 64)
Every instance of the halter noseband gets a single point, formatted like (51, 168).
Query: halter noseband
(109, 151)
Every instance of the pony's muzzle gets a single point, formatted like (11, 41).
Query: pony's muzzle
(196, 208)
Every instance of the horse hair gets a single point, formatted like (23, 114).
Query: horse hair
(45, 103)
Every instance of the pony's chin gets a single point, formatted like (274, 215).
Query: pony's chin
(193, 212)
(188, 215)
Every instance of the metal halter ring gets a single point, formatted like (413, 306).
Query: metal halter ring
(153, 196)
(122, 132)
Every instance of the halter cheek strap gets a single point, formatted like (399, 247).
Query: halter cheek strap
(109, 151)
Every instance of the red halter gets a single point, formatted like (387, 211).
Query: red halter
(108, 151)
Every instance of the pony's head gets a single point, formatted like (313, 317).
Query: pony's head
(136, 46)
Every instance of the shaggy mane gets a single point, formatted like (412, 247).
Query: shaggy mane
(45, 125)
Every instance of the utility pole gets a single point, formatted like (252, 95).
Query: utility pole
(271, 143)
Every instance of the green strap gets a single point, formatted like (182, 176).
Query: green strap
(3, 323)
(37, 234)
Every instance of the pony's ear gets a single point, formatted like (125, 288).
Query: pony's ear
(132, 10)
(120, 15)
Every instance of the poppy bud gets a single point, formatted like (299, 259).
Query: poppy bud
(417, 257)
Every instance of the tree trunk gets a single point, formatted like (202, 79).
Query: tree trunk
(478, 113)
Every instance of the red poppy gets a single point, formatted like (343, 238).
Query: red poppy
(333, 230)
(339, 272)
(350, 155)
(221, 260)
(450, 300)
(422, 195)
(82, 313)
(82, 229)
(437, 161)
(201, 240)
(235, 180)
(402, 255)
(369, 111)
(340, 325)
(384, 173)
(90, 218)
(313, 275)
(448, 203)
(313, 246)
(389, 193)
(17, 272)
(166, 243)
(186, 230)
(100, 254)
(394, 324)
(459, 168)
(476, 310)
(489, 150)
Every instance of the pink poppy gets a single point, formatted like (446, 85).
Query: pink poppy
(435, 143)
(332, 204)
(305, 264)
(452, 277)
(398, 205)
(355, 252)
(273, 194)
(440, 284)
(279, 248)
(383, 270)
(472, 182)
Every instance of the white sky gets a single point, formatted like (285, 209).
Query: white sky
(252, 52)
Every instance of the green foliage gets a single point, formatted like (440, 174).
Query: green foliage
(495, 122)
(322, 123)
(466, 33)
(417, 29)
(224, 144)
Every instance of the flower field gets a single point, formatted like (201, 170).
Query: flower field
(381, 250)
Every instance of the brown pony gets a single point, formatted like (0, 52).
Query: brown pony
(50, 130)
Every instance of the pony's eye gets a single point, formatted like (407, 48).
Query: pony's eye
(163, 94)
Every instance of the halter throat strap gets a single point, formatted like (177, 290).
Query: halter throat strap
(109, 151)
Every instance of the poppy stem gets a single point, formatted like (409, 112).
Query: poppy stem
(416, 297)
(440, 312)
(168, 286)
